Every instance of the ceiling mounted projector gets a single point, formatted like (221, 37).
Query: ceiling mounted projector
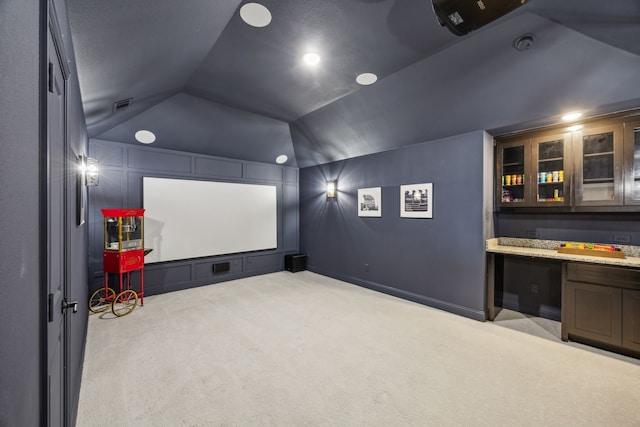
(463, 16)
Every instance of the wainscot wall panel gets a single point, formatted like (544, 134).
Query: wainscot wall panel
(440, 261)
(159, 161)
(218, 168)
(214, 269)
(109, 157)
(157, 277)
(263, 172)
(122, 186)
(290, 217)
(291, 176)
(265, 263)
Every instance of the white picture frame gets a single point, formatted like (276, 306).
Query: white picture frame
(370, 202)
(416, 200)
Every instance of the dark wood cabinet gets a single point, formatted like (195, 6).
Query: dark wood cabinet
(594, 312)
(590, 167)
(601, 306)
(631, 320)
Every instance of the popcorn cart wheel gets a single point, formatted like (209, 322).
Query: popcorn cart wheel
(101, 299)
(124, 302)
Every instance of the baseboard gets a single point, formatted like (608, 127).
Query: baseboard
(460, 310)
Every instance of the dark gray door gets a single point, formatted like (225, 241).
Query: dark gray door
(55, 237)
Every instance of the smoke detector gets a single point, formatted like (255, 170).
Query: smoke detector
(524, 42)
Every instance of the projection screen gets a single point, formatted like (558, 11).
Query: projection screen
(190, 219)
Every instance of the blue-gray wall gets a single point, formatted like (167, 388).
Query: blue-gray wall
(439, 262)
(23, 27)
(122, 167)
(21, 313)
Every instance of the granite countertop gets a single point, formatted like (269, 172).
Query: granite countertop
(548, 249)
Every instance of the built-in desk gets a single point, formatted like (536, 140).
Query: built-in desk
(600, 296)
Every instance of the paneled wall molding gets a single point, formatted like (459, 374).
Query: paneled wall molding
(122, 168)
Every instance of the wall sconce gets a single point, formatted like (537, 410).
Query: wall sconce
(331, 189)
(89, 171)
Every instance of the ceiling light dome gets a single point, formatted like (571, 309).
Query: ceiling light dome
(145, 136)
(255, 15)
(572, 116)
(366, 79)
(311, 58)
(282, 158)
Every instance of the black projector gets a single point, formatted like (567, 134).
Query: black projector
(463, 16)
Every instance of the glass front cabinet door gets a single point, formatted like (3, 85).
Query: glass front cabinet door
(513, 168)
(598, 172)
(632, 163)
(552, 169)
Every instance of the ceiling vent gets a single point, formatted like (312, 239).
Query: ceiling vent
(123, 104)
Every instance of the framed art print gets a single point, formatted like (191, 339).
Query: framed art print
(416, 201)
(370, 202)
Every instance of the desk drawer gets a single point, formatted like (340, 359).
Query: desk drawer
(604, 275)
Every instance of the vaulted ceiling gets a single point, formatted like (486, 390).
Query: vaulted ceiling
(206, 82)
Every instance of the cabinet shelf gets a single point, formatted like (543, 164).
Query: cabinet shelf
(554, 159)
(551, 183)
(604, 153)
(512, 164)
(597, 180)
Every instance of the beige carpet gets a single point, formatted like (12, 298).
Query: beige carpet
(305, 350)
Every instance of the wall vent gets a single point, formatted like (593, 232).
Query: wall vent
(123, 104)
(221, 267)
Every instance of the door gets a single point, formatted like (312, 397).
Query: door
(550, 167)
(632, 163)
(55, 211)
(513, 174)
(599, 166)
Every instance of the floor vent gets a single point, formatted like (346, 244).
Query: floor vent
(123, 104)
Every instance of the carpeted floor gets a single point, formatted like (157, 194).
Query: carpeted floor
(305, 350)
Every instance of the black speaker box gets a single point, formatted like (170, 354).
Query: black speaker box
(463, 16)
(295, 262)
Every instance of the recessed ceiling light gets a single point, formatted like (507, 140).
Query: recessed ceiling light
(311, 58)
(571, 116)
(282, 158)
(366, 79)
(255, 15)
(145, 136)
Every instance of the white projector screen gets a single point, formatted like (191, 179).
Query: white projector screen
(190, 219)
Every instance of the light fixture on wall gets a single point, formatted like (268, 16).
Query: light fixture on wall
(331, 189)
(89, 171)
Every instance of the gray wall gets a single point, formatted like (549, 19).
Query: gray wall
(122, 167)
(438, 262)
(21, 301)
(22, 267)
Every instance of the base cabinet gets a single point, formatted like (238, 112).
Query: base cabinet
(631, 320)
(601, 306)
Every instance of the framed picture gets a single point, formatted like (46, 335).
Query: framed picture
(370, 201)
(416, 201)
